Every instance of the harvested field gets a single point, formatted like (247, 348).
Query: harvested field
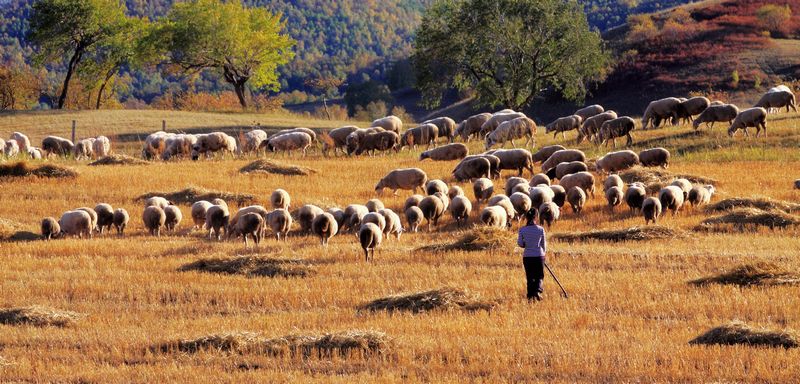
(264, 166)
(190, 195)
(737, 332)
(252, 266)
(22, 169)
(628, 234)
(758, 274)
(438, 299)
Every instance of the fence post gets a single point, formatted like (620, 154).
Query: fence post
(73, 131)
(164, 125)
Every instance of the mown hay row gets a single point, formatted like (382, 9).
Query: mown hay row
(118, 159)
(38, 316)
(264, 166)
(628, 234)
(23, 169)
(479, 238)
(252, 266)
(758, 274)
(762, 203)
(190, 195)
(737, 332)
(438, 299)
(743, 218)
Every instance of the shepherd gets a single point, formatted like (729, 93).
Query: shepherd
(532, 239)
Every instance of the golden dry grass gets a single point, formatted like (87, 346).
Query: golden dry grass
(629, 317)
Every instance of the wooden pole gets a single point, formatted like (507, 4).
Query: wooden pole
(73, 130)
(164, 125)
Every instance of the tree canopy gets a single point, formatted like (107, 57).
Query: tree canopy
(507, 51)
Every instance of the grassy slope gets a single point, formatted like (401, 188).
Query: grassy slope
(630, 316)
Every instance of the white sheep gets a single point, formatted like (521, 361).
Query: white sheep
(76, 223)
(154, 218)
(325, 226)
(405, 178)
(495, 216)
(280, 221)
(121, 219)
(651, 210)
(370, 237)
(280, 199)
(199, 209)
(101, 147)
(173, 217)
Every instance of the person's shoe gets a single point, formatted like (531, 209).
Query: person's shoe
(538, 297)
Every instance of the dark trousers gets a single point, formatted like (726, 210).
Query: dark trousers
(534, 274)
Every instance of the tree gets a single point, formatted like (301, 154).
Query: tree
(774, 18)
(242, 43)
(73, 28)
(362, 94)
(508, 51)
(328, 86)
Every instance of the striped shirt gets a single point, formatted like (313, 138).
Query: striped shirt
(531, 237)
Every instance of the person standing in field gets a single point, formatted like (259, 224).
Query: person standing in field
(532, 238)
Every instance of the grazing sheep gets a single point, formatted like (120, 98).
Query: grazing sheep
(121, 219)
(510, 130)
(483, 189)
(289, 142)
(545, 152)
(522, 204)
(404, 178)
(445, 200)
(540, 178)
(370, 237)
(156, 201)
(173, 217)
(564, 124)
(414, 218)
(374, 205)
(692, 107)
(306, 215)
(307, 131)
(460, 208)
(523, 188)
(777, 99)
(453, 151)
(635, 196)
(57, 145)
(83, 149)
(234, 220)
(105, 216)
(217, 219)
(494, 163)
(337, 139)
(23, 142)
(280, 199)
(716, 113)
(473, 168)
(513, 182)
(50, 228)
(549, 213)
(446, 126)
(701, 195)
(684, 185)
(35, 153)
(280, 221)
(612, 129)
(559, 195)
(454, 191)
(101, 146)
(617, 161)
(498, 118)
(10, 149)
(495, 216)
(659, 110)
(651, 210)
(614, 197)
(354, 139)
(412, 201)
(472, 126)
(752, 117)
(250, 224)
(210, 143)
(92, 215)
(797, 184)
(671, 197)
(587, 112)
(379, 141)
(504, 202)
(155, 144)
(325, 226)
(179, 146)
(566, 168)
(435, 185)
(514, 159)
(432, 208)
(76, 223)
(220, 202)
(563, 156)
(576, 198)
(393, 224)
(375, 218)
(337, 214)
(154, 218)
(541, 194)
(655, 157)
(612, 181)
(584, 180)
(199, 209)
(425, 134)
(591, 126)
(253, 140)
(389, 123)
(353, 214)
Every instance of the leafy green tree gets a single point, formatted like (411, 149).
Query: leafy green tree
(507, 51)
(73, 28)
(242, 43)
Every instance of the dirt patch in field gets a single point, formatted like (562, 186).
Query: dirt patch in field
(737, 332)
(118, 160)
(252, 266)
(38, 316)
(345, 344)
(762, 203)
(264, 166)
(479, 238)
(628, 234)
(190, 195)
(758, 274)
(748, 218)
(438, 299)
(22, 169)
(654, 179)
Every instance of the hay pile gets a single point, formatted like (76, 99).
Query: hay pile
(737, 332)
(190, 195)
(365, 343)
(22, 169)
(438, 299)
(742, 218)
(38, 316)
(654, 179)
(628, 234)
(479, 238)
(8, 229)
(118, 160)
(264, 166)
(762, 203)
(758, 274)
(252, 266)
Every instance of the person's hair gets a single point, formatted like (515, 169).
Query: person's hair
(532, 216)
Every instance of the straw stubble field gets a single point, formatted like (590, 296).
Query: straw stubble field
(630, 315)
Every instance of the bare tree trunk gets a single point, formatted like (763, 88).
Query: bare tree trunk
(325, 104)
(109, 75)
(240, 93)
(73, 63)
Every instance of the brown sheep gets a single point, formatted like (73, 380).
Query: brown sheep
(483, 189)
(472, 126)
(659, 110)
(592, 125)
(424, 134)
(545, 152)
(563, 156)
(716, 113)
(752, 117)
(655, 157)
(576, 198)
(651, 210)
(612, 129)
(336, 139)
(389, 123)
(454, 151)
(692, 107)
(777, 100)
(446, 126)
(404, 178)
(514, 159)
(474, 168)
(587, 112)
(566, 168)
(379, 141)
(540, 178)
(432, 208)
(510, 130)
(617, 161)
(564, 124)
(584, 180)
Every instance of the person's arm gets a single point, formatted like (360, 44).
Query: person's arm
(520, 239)
(543, 242)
